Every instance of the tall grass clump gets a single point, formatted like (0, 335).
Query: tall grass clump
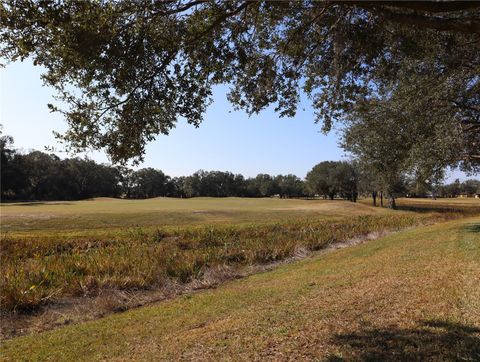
(37, 271)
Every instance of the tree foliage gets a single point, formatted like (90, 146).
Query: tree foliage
(128, 70)
(148, 182)
(467, 188)
(332, 178)
(40, 176)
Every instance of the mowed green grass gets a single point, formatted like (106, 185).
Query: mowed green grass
(103, 214)
(107, 213)
(413, 295)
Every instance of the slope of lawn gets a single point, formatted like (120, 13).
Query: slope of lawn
(413, 295)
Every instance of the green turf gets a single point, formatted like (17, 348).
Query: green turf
(93, 216)
(38, 217)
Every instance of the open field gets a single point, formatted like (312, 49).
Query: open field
(107, 213)
(413, 295)
(65, 263)
(98, 215)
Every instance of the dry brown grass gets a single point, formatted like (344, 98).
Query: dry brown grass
(412, 295)
(51, 280)
(38, 272)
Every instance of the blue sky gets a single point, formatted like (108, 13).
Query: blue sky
(228, 140)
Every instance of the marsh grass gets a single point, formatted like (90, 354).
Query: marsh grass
(36, 271)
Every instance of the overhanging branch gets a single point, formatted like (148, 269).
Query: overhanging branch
(441, 23)
(429, 6)
(471, 26)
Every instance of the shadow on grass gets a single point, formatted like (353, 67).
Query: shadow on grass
(473, 228)
(427, 209)
(465, 211)
(432, 340)
(34, 203)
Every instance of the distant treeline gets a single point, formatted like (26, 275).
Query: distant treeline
(40, 176)
(468, 188)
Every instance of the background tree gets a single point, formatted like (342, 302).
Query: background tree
(148, 182)
(81, 179)
(289, 186)
(40, 176)
(456, 188)
(451, 190)
(345, 178)
(125, 181)
(11, 176)
(332, 178)
(470, 187)
(265, 185)
(42, 171)
(320, 180)
(177, 186)
(383, 137)
(369, 183)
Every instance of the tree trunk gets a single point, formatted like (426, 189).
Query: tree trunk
(374, 197)
(391, 203)
(381, 198)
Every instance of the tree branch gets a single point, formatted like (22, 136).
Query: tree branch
(180, 9)
(382, 8)
(168, 59)
(429, 6)
(471, 26)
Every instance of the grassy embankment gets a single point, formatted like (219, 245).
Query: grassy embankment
(53, 250)
(413, 295)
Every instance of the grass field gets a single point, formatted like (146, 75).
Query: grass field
(106, 213)
(413, 295)
(67, 262)
(101, 215)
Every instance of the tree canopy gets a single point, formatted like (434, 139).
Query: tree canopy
(128, 70)
(331, 178)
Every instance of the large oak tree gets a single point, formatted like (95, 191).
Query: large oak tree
(127, 70)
